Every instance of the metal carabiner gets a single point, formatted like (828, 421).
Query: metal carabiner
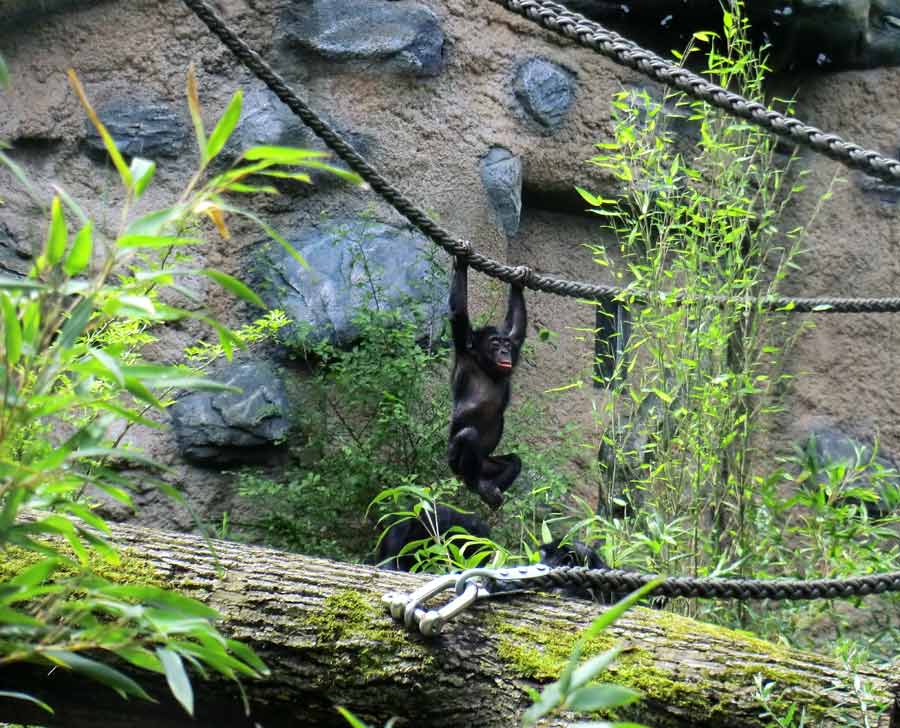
(399, 603)
(433, 621)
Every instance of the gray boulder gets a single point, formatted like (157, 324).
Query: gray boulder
(501, 174)
(14, 259)
(829, 447)
(545, 91)
(232, 427)
(398, 36)
(353, 264)
(149, 129)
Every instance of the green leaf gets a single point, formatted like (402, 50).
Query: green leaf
(8, 283)
(350, 718)
(76, 324)
(246, 654)
(593, 667)
(225, 126)
(36, 574)
(179, 682)
(25, 696)
(234, 286)
(58, 235)
(142, 171)
(109, 364)
(8, 615)
(618, 609)
(80, 254)
(97, 671)
(11, 329)
(282, 155)
(153, 223)
(597, 697)
(140, 657)
(119, 453)
(4, 83)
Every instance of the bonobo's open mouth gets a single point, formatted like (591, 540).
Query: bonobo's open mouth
(504, 364)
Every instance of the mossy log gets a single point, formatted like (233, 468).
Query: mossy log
(323, 631)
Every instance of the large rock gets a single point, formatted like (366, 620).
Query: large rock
(399, 36)
(501, 174)
(266, 121)
(353, 264)
(229, 427)
(14, 259)
(545, 91)
(828, 448)
(148, 129)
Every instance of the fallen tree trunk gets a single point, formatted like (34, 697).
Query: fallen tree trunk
(321, 628)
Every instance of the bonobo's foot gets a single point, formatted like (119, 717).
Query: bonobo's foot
(490, 494)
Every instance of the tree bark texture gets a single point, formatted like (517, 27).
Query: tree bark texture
(321, 628)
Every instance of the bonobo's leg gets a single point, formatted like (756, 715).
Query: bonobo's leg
(467, 463)
(464, 457)
(501, 470)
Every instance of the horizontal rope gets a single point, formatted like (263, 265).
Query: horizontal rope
(517, 275)
(614, 580)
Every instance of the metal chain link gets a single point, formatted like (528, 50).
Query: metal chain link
(518, 275)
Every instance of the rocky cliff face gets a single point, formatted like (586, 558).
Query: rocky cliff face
(482, 118)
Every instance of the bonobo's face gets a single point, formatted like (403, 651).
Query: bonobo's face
(496, 352)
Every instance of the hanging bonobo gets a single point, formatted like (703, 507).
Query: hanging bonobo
(485, 360)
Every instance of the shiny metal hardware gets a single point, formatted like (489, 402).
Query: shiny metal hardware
(470, 586)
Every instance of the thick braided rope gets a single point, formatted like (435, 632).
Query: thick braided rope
(614, 580)
(519, 275)
(591, 34)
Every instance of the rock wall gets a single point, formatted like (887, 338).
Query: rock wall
(481, 117)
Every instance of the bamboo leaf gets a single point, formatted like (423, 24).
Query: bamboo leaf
(225, 126)
(108, 142)
(179, 682)
(194, 107)
(80, 254)
(58, 235)
(142, 171)
(233, 285)
(25, 696)
(11, 329)
(104, 674)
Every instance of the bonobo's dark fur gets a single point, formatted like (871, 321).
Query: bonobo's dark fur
(485, 359)
(423, 528)
(555, 554)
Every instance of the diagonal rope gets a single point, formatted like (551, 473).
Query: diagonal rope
(517, 275)
(590, 34)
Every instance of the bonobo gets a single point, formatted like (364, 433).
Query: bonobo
(426, 527)
(485, 360)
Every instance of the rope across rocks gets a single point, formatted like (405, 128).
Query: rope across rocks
(518, 275)
(591, 34)
(557, 17)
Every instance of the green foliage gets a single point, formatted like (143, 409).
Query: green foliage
(441, 553)
(575, 691)
(71, 374)
(701, 239)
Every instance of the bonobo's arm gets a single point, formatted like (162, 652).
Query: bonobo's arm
(516, 316)
(459, 305)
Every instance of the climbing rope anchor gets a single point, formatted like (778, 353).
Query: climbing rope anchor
(470, 586)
